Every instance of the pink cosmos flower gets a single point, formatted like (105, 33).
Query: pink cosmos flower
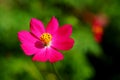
(43, 43)
(98, 25)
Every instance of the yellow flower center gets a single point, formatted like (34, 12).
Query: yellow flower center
(46, 38)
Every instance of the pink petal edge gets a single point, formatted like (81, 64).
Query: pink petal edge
(65, 30)
(36, 27)
(29, 49)
(41, 56)
(63, 43)
(52, 25)
(26, 37)
(54, 55)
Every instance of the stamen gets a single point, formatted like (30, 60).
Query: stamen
(46, 38)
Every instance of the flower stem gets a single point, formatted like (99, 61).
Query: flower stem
(39, 72)
(55, 71)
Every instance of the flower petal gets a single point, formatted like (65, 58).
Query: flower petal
(41, 56)
(52, 25)
(65, 30)
(36, 27)
(29, 49)
(25, 37)
(63, 43)
(54, 55)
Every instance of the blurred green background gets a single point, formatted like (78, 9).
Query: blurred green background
(87, 60)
